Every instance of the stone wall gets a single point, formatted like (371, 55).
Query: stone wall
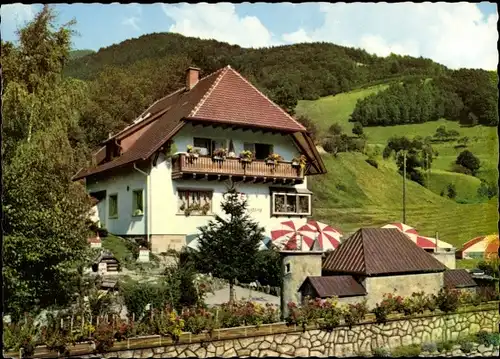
(360, 340)
(403, 285)
(280, 340)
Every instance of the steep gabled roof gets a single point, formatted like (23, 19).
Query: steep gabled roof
(221, 97)
(336, 285)
(380, 251)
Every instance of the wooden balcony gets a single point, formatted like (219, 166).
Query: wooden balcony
(204, 167)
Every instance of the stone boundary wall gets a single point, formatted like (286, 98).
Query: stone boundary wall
(281, 340)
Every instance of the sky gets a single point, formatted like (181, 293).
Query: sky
(453, 34)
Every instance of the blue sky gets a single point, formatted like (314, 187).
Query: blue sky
(455, 34)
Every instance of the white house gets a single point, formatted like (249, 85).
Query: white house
(165, 175)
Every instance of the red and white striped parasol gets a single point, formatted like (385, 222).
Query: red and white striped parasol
(421, 241)
(328, 237)
(289, 235)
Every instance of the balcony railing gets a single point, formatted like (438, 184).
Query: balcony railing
(184, 166)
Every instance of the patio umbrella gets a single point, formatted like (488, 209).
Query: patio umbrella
(289, 236)
(421, 241)
(328, 237)
(492, 243)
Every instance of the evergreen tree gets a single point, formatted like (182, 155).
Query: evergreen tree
(228, 247)
(357, 129)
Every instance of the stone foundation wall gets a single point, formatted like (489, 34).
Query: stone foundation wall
(360, 340)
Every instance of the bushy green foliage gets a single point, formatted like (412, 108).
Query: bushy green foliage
(447, 300)
(429, 347)
(45, 213)
(468, 160)
(229, 245)
(487, 339)
(381, 353)
(444, 346)
(412, 350)
(451, 191)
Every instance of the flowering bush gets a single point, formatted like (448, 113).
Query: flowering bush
(447, 299)
(103, 337)
(274, 158)
(416, 303)
(246, 313)
(330, 314)
(430, 302)
(198, 320)
(354, 313)
(166, 322)
(300, 161)
(247, 156)
(22, 335)
(220, 152)
(300, 316)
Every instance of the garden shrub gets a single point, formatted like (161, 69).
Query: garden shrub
(412, 350)
(447, 300)
(330, 315)
(103, 337)
(487, 339)
(389, 304)
(414, 304)
(354, 313)
(381, 353)
(137, 295)
(466, 347)
(198, 320)
(429, 347)
(444, 346)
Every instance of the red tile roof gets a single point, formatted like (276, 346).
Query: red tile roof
(379, 251)
(458, 278)
(221, 97)
(336, 285)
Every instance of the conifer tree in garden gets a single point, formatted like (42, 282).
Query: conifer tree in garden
(228, 245)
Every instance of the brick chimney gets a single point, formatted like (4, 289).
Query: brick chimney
(192, 77)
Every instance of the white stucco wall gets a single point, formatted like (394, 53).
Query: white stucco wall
(165, 217)
(283, 145)
(125, 223)
(165, 221)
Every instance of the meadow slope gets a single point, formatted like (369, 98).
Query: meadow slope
(354, 194)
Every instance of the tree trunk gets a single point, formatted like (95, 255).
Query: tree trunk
(231, 291)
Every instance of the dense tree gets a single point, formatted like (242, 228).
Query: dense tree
(310, 125)
(467, 160)
(419, 155)
(335, 129)
(451, 191)
(228, 247)
(357, 129)
(45, 213)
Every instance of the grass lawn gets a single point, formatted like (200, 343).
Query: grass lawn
(328, 110)
(354, 194)
(468, 263)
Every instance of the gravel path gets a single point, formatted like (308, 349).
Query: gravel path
(222, 296)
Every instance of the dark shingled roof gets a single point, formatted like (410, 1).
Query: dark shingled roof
(223, 97)
(380, 251)
(458, 278)
(336, 285)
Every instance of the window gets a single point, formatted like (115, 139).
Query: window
(194, 202)
(207, 146)
(291, 204)
(137, 202)
(260, 150)
(113, 206)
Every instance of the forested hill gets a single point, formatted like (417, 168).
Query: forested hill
(125, 78)
(306, 71)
